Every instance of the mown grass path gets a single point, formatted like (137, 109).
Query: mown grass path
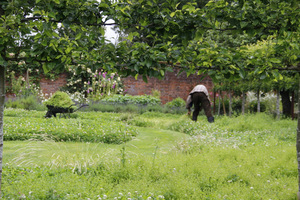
(150, 138)
(147, 142)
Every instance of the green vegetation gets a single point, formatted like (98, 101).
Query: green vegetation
(178, 102)
(28, 103)
(228, 40)
(59, 99)
(93, 129)
(138, 99)
(171, 157)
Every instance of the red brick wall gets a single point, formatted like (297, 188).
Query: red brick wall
(51, 86)
(171, 87)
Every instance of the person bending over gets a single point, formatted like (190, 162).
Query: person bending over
(200, 99)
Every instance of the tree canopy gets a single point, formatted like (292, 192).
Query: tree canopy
(214, 37)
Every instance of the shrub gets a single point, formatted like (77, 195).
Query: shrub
(156, 93)
(178, 102)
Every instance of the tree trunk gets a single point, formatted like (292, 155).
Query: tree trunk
(2, 98)
(219, 105)
(293, 105)
(214, 102)
(230, 104)
(298, 141)
(278, 105)
(224, 109)
(258, 101)
(243, 102)
(286, 103)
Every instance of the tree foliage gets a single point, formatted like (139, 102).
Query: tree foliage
(182, 34)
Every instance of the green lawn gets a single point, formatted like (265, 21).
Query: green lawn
(247, 157)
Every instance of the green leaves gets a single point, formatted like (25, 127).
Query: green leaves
(202, 36)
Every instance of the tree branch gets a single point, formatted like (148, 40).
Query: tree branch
(60, 21)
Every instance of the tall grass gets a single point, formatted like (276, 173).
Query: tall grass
(246, 157)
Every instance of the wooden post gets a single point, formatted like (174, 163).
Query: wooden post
(278, 105)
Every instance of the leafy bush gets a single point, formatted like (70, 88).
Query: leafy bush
(178, 102)
(59, 99)
(156, 93)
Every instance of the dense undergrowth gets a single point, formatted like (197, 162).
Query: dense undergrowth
(244, 157)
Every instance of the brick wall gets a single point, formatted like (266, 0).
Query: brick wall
(171, 86)
(51, 86)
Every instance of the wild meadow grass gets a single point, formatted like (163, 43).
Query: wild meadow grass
(171, 157)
